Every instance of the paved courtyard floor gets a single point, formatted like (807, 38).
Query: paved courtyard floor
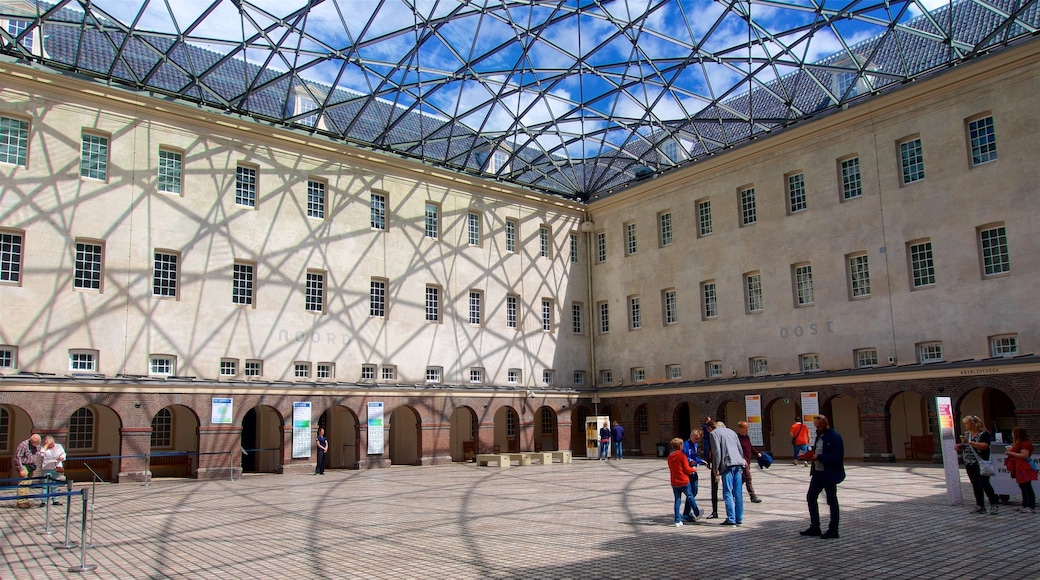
(588, 519)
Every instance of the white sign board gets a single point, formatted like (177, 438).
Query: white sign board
(375, 429)
(810, 409)
(301, 430)
(222, 412)
(753, 405)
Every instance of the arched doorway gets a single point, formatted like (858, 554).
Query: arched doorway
(261, 440)
(843, 413)
(545, 429)
(782, 414)
(644, 437)
(175, 429)
(993, 406)
(94, 431)
(578, 434)
(404, 437)
(463, 439)
(687, 418)
(507, 431)
(15, 427)
(908, 417)
(342, 429)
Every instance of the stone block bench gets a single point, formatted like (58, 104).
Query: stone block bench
(488, 458)
(562, 456)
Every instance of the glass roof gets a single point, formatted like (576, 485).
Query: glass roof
(575, 98)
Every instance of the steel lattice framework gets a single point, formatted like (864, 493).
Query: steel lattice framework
(576, 98)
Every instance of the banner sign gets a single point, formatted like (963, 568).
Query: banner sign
(301, 430)
(810, 409)
(375, 428)
(947, 445)
(222, 412)
(753, 405)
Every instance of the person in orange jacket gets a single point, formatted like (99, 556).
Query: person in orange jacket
(680, 470)
(799, 441)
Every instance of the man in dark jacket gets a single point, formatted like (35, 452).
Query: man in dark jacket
(828, 470)
(617, 436)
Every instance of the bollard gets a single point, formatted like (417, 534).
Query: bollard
(83, 566)
(68, 513)
(48, 489)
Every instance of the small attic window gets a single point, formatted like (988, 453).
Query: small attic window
(498, 162)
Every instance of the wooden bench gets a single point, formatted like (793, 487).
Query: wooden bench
(486, 459)
(562, 456)
(923, 445)
(170, 465)
(76, 469)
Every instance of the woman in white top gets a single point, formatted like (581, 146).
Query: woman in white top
(53, 455)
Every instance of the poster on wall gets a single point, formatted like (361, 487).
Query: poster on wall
(810, 409)
(375, 428)
(753, 405)
(301, 430)
(222, 412)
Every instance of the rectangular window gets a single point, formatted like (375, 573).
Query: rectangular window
(547, 317)
(164, 274)
(388, 373)
(911, 160)
(929, 352)
(809, 362)
(664, 228)
(704, 226)
(709, 300)
(803, 285)
(316, 198)
(630, 239)
(574, 248)
(14, 141)
(314, 293)
(324, 370)
(11, 257)
(796, 200)
(543, 242)
(851, 182)
(579, 378)
(671, 307)
(377, 298)
(983, 141)
(713, 368)
(866, 358)
(93, 161)
(993, 246)
(748, 212)
(377, 206)
(8, 359)
(433, 304)
(753, 292)
(1006, 345)
(88, 266)
(253, 368)
(922, 265)
(859, 276)
(85, 361)
(17, 28)
(243, 283)
(170, 172)
(511, 227)
(368, 372)
(433, 221)
(576, 318)
(245, 186)
(604, 318)
(638, 375)
(606, 377)
(513, 376)
(759, 365)
(548, 376)
(228, 367)
(673, 372)
(433, 374)
(302, 370)
(473, 229)
(512, 314)
(162, 365)
(635, 315)
(81, 429)
(474, 307)
(601, 247)
(476, 375)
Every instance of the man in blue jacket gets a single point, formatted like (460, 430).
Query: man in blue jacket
(617, 435)
(828, 470)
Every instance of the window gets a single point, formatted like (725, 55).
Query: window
(511, 227)
(162, 365)
(574, 248)
(314, 293)
(245, 186)
(713, 368)
(388, 373)
(473, 228)
(922, 265)
(635, 317)
(748, 213)
(638, 375)
(254, 368)
(673, 372)
(671, 308)
(377, 205)
(630, 239)
(704, 226)
(83, 361)
(911, 159)
(601, 247)
(243, 283)
(993, 246)
(170, 171)
(162, 429)
(164, 274)
(548, 419)
(14, 141)
(88, 264)
(1006, 345)
(983, 141)
(228, 367)
(642, 419)
(93, 161)
(5, 429)
(433, 221)
(709, 300)
(547, 317)
(512, 318)
(513, 376)
(81, 429)
(604, 318)
(433, 304)
(316, 198)
(324, 370)
(809, 362)
(851, 183)
(759, 366)
(576, 318)
(859, 276)
(796, 201)
(929, 352)
(579, 378)
(548, 377)
(474, 307)
(8, 359)
(301, 370)
(543, 242)
(803, 284)
(753, 292)
(18, 27)
(476, 375)
(511, 420)
(10, 257)
(377, 298)
(368, 372)
(606, 377)
(866, 358)
(664, 228)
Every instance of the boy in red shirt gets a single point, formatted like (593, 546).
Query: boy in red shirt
(679, 469)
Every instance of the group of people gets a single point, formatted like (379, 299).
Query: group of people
(36, 457)
(975, 447)
(728, 455)
(610, 439)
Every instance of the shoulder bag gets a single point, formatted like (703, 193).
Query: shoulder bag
(986, 467)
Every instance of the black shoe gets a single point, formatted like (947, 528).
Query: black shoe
(728, 523)
(755, 500)
(55, 503)
(811, 532)
(829, 535)
(713, 517)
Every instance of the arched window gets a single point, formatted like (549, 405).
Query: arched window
(547, 421)
(81, 429)
(162, 428)
(5, 429)
(642, 419)
(510, 423)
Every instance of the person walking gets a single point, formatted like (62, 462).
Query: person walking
(707, 426)
(679, 471)
(617, 435)
(749, 451)
(604, 441)
(799, 441)
(975, 445)
(729, 464)
(827, 471)
(323, 449)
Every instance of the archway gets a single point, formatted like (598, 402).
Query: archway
(15, 426)
(261, 440)
(463, 439)
(507, 431)
(993, 406)
(404, 437)
(645, 432)
(175, 429)
(94, 432)
(342, 429)
(908, 417)
(545, 429)
(782, 414)
(687, 418)
(843, 413)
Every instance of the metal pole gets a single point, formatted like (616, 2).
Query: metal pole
(147, 469)
(68, 513)
(231, 464)
(83, 566)
(48, 488)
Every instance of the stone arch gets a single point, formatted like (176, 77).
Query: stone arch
(464, 434)
(405, 436)
(180, 435)
(507, 430)
(262, 440)
(546, 429)
(343, 432)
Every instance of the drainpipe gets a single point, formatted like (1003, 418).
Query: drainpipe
(587, 227)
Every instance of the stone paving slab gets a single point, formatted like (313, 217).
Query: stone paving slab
(587, 519)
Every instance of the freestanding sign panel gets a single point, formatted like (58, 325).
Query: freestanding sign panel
(947, 443)
(375, 429)
(301, 430)
(222, 412)
(753, 405)
(810, 409)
